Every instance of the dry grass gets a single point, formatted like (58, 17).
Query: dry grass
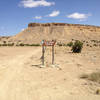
(92, 77)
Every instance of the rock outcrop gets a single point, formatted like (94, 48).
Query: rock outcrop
(46, 24)
(59, 24)
(62, 32)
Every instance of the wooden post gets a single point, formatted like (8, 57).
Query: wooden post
(53, 54)
(43, 55)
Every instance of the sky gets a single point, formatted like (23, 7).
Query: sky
(15, 15)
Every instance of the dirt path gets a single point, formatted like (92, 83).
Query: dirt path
(21, 79)
(11, 72)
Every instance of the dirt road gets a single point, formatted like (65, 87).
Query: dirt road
(21, 79)
(11, 83)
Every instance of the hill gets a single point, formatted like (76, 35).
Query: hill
(62, 32)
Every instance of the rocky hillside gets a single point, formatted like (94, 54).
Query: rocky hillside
(61, 32)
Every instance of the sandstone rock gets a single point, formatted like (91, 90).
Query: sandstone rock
(62, 32)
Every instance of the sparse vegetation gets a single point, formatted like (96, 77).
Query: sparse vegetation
(87, 45)
(34, 45)
(84, 76)
(95, 41)
(92, 77)
(22, 44)
(11, 44)
(98, 91)
(95, 45)
(61, 44)
(77, 47)
(70, 44)
(72, 39)
(4, 42)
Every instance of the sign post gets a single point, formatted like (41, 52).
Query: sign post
(48, 43)
(42, 55)
(53, 55)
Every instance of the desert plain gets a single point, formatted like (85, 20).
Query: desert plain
(21, 77)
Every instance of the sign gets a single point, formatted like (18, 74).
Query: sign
(48, 43)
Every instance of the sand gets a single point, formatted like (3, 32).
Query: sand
(21, 77)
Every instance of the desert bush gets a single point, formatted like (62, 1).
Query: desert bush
(21, 44)
(77, 47)
(72, 39)
(17, 45)
(34, 44)
(26, 44)
(4, 44)
(95, 45)
(95, 41)
(92, 77)
(87, 45)
(86, 41)
(59, 44)
(98, 91)
(70, 44)
(84, 76)
(10, 44)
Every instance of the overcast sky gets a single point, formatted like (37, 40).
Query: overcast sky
(16, 14)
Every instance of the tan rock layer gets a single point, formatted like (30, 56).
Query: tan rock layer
(61, 32)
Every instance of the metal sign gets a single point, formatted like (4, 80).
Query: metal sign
(48, 43)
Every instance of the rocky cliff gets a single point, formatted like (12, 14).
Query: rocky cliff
(61, 32)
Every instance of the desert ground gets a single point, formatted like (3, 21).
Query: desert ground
(21, 77)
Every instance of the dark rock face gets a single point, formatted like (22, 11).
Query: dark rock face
(33, 24)
(59, 24)
(46, 24)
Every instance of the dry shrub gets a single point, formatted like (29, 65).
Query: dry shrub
(95, 77)
(77, 47)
